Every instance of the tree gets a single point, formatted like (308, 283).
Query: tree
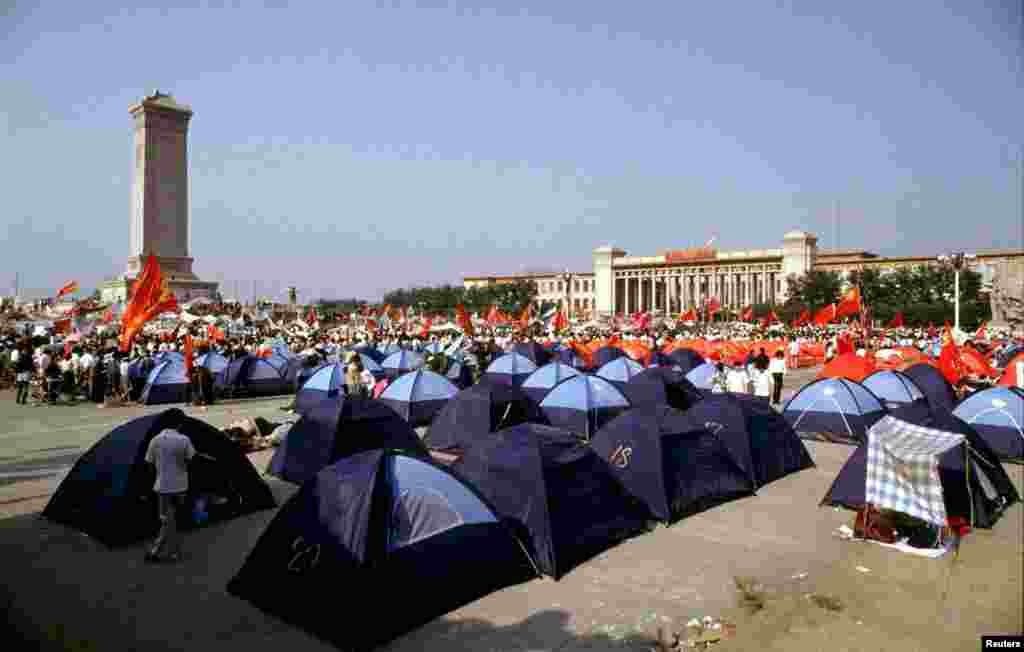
(813, 290)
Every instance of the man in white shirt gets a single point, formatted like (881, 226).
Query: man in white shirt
(777, 368)
(794, 353)
(170, 452)
(737, 380)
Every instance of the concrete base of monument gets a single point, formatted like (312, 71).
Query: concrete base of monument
(184, 289)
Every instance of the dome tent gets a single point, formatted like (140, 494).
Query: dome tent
(661, 386)
(166, 383)
(687, 359)
(560, 496)
(933, 385)
(534, 352)
(894, 388)
(419, 395)
(676, 465)
(326, 383)
(537, 385)
(249, 375)
(108, 494)
(701, 375)
(336, 429)
(379, 519)
(401, 362)
(477, 411)
(583, 404)
(511, 368)
(620, 370)
(834, 405)
(997, 414)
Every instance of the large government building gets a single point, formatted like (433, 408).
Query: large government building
(676, 280)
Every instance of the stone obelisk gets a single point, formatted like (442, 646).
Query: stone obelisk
(159, 223)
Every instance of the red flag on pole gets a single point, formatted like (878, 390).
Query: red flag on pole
(70, 288)
(897, 321)
(747, 314)
(850, 303)
(825, 315)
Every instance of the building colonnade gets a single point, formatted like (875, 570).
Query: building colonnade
(673, 290)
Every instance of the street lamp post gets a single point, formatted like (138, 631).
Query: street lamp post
(959, 261)
(567, 277)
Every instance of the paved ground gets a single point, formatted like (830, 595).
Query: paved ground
(64, 591)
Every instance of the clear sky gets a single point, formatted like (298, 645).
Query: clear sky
(352, 147)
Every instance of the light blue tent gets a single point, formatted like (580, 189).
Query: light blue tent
(539, 383)
(434, 347)
(417, 396)
(997, 413)
(834, 405)
(166, 383)
(213, 361)
(701, 375)
(894, 388)
(583, 404)
(325, 384)
(620, 370)
(511, 369)
(401, 362)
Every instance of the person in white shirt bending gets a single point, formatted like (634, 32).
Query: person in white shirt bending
(170, 452)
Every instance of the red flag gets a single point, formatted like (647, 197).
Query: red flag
(70, 288)
(188, 356)
(850, 303)
(559, 323)
(311, 316)
(425, 331)
(981, 333)
(463, 320)
(805, 317)
(493, 316)
(950, 364)
(713, 307)
(897, 321)
(747, 314)
(526, 316)
(844, 344)
(689, 315)
(772, 317)
(151, 297)
(825, 315)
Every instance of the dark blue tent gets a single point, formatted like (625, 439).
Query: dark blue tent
(559, 494)
(279, 361)
(675, 463)
(620, 370)
(510, 368)
(108, 494)
(701, 375)
(659, 359)
(997, 413)
(215, 363)
(893, 388)
(837, 406)
(370, 351)
(419, 395)
(252, 376)
(340, 428)
(687, 359)
(477, 411)
(459, 372)
(568, 356)
(401, 362)
(399, 535)
(583, 404)
(775, 448)
(326, 383)
(987, 494)
(167, 383)
(605, 354)
(539, 383)
(933, 384)
(661, 386)
(433, 347)
(534, 351)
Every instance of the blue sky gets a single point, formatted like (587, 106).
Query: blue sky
(352, 147)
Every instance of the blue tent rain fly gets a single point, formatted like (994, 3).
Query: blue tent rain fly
(419, 395)
(701, 375)
(894, 388)
(379, 519)
(661, 386)
(997, 413)
(687, 359)
(539, 383)
(606, 354)
(336, 429)
(583, 404)
(327, 383)
(459, 372)
(620, 370)
(511, 368)
(836, 406)
(401, 362)
(167, 383)
(559, 495)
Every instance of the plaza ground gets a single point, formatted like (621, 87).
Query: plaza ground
(62, 590)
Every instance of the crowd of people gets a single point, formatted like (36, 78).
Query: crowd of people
(44, 366)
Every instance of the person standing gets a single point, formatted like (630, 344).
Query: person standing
(23, 374)
(777, 368)
(170, 452)
(794, 353)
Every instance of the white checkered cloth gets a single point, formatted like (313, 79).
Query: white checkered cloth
(903, 468)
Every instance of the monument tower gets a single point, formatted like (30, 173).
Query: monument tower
(160, 223)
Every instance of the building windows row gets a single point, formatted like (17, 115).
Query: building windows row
(550, 287)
